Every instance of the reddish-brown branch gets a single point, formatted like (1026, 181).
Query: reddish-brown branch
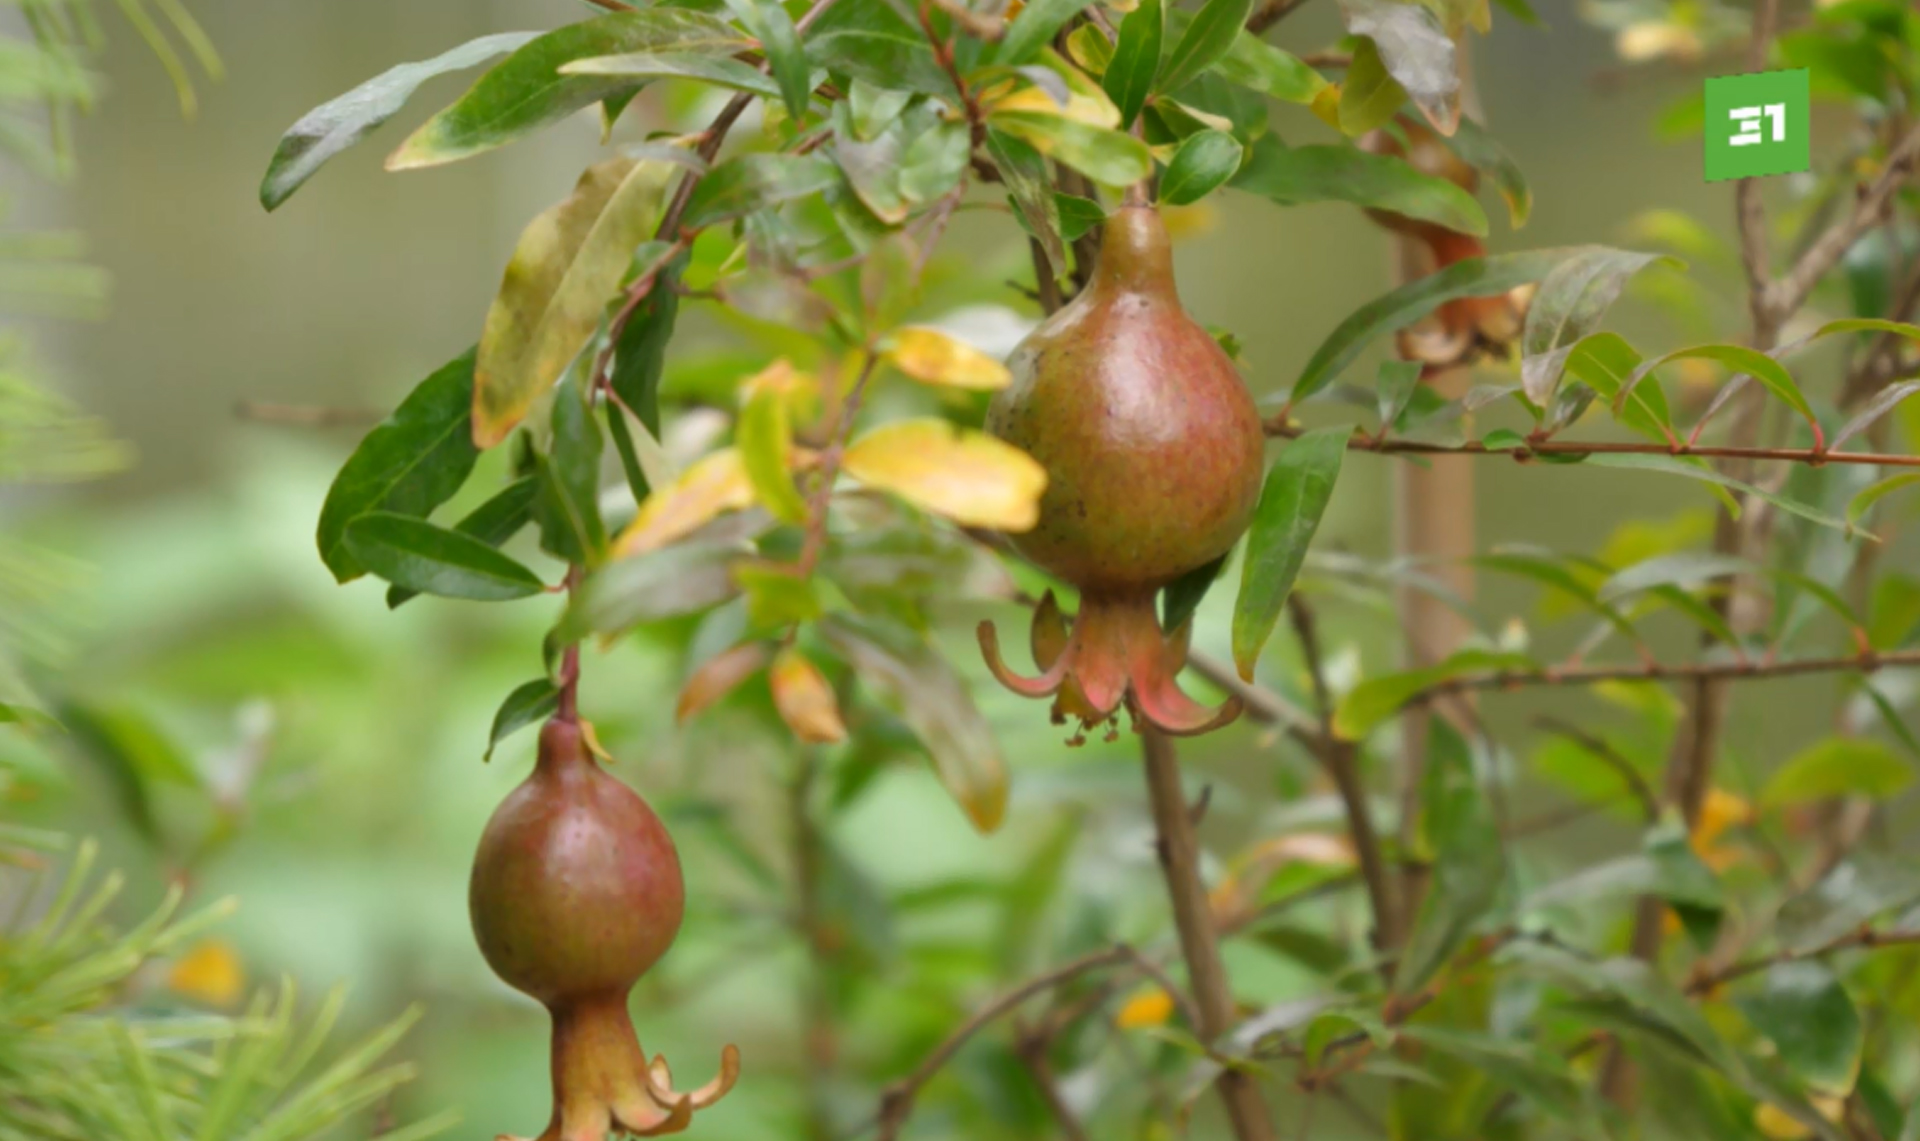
(1685, 671)
(1865, 938)
(1577, 448)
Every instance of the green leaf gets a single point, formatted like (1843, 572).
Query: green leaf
(534, 701)
(1571, 300)
(1805, 1012)
(911, 675)
(493, 523)
(527, 91)
(1204, 162)
(764, 436)
(1254, 63)
(569, 260)
(1395, 387)
(332, 127)
(1375, 700)
(134, 752)
(1206, 40)
(639, 355)
(1763, 368)
(1469, 863)
(1295, 497)
(750, 182)
(414, 461)
(416, 554)
(1860, 504)
(1604, 362)
(780, 39)
(934, 163)
(1183, 595)
(1417, 52)
(667, 583)
(1835, 767)
(1024, 172)
(1293, 175)
(1370, 97)
(1474, 277)
(1883, 402)
(882, 58)
(1034, 29)
(644, 67)
(1078, 216)
(1674, 465)
(1136, 59)
(1484, 153)
(1105, 156)
(568, 508)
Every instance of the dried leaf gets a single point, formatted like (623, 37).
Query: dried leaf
(805, 700)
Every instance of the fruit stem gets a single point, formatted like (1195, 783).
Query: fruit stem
(568, 709)
(1179, 852)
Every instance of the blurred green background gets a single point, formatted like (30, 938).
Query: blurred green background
(196, 599)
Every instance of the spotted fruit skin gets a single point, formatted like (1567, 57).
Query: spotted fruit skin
(576, 888)
(1151, 442)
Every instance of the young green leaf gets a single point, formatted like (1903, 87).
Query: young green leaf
(1106, 156)
(750, 182)
(1569, 304)
(332, 127)
(1030, 185)
(1370, 96)
(1135, 65)
(1858, 506)
(1771, 374)
(1805, 1012)
(1293, 175)
(568, 508)
(1183, 595)
(1461, 838)
(527, 91)
(1203, 164)
(493, 523)
(1371, 703)
(1297, 490)
(910, 674)
(418, 555)
(884, 58)
(640, 353)
(642, 67)
(414, 461)
(1835, 767)
(568, 262)
(1034, 29)
(1416, 51)
(534, 701)
(1474, 277)
(1256, 64)
(1205, 41)
(764, 436)
(651, 587)
(780, 39)
(1394, 388)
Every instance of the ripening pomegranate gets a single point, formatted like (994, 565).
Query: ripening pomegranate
(576, 892)
(1153, 451)
(1466, 326)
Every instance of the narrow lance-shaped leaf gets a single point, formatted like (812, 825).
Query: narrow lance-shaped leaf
(764, 437)
(527, 90)
(1569, 304)
(493, 523)
(750, 182)
(416, 554)
(1463, 845)
(715, 484)
(1836, 767)
(1208, 38)
(568, 508)
(1474, 277)
(805, 700)
(1106, 156)
(934, 357)
(933, 701)
(780, 39)
(652, 587)
(1771, 374)
(643, 67)
(414, 461)
(1130, 75)
(1858, 507)
(1371, 703)
(1484, 153)
(1370, 96)
(1416, 51)
(640, 352)
(534, 701)
(568, 262)
(1029, 184)
(332, 127)
(1297, 490)
(1293, 175)
(1034, 28)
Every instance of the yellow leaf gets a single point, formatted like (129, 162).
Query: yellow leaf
(1189, 221)
(568, 261)
(1778, 1125)
(1326, 105)
(717, 677)
(1721, 811)
(765, 439)
(1653, 39)
(805, 700)
(211, 973)
(716, 484)
(933, 357)
(967, 476)
(1151, 1007)
(1086, 102)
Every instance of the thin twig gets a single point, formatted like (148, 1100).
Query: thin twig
(1683, 671)
(1578, 448)
(1270, 13)
(306, 415)
(1179, 852)
(896, 1103)
(1864, 938)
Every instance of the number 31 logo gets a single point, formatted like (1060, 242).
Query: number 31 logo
(1757, 125)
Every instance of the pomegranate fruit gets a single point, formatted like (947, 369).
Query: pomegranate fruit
(576, 892)
(1465, 327)
(1153, 451)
